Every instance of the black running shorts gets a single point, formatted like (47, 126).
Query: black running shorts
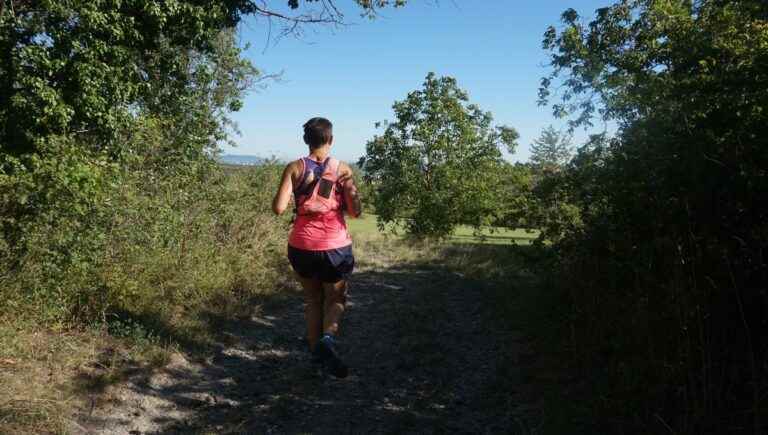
(329, 266)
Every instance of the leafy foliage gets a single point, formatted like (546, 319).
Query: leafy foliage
(88, 68)
(136, 239)
(665, 271)
(551, 150)
(439, 164)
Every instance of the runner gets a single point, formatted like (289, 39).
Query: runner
(319, 246)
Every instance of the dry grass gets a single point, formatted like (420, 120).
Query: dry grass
(44, 373)
(36, 372)
(377, 250)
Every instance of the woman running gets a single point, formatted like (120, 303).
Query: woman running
(319, 246)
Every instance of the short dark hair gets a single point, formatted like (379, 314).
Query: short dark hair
(317, 132)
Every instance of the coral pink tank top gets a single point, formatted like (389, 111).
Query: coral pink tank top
(318, 231)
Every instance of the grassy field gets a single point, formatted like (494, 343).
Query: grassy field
(366, 226)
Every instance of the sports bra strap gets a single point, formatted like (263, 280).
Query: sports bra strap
(331, 166)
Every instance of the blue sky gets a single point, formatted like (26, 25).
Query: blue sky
(352, 75)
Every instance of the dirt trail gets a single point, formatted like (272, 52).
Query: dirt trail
(420, 353)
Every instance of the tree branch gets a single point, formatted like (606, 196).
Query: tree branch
(329, 14)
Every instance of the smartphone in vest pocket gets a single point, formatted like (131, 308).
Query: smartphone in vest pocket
(325, 188)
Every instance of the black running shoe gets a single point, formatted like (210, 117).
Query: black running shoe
(326, 350)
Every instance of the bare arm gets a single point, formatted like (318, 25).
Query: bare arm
(284, 191)
(351, 194)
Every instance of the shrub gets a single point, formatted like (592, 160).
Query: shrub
(94, 238)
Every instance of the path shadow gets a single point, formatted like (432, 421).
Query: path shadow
(410, 373)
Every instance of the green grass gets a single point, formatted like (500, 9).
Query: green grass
(366, 226)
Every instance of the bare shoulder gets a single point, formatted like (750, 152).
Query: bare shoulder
(294, 165)
(293, 168)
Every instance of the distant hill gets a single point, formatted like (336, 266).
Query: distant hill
(240, 159)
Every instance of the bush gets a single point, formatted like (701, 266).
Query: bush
(55, 215)
(87, 237)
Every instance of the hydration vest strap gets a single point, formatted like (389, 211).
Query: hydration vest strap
(332, 167)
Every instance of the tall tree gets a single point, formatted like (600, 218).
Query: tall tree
(438, 165)
(551, 150)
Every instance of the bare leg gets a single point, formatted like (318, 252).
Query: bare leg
(313, 309)
(334, 304)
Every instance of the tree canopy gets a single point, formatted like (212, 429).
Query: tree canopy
(551, 150)
(89, 68)
(438, 164)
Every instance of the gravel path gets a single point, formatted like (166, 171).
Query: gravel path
(420, 354)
